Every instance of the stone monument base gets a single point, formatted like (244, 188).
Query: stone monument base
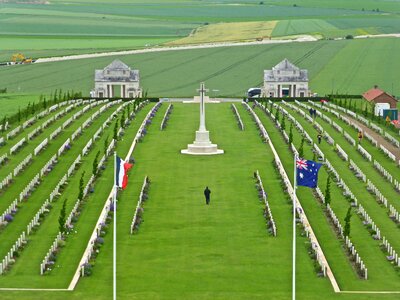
(202, 145)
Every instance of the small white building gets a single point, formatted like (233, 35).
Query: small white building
(116, 80)
(286, 80)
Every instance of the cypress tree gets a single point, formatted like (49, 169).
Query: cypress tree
(328, 191)
(283, 125)
(301, 148)
(62, 218)
(291, 134)
(96, 163)
(106, 145)
(116, 130)
(81, 186)
(346, 230)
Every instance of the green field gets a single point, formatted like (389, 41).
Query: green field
(70, 27)
(340, 66)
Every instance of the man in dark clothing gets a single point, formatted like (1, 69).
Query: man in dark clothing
(207, 193)
(319, 136)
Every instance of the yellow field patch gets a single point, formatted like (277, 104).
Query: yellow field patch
(229, 32)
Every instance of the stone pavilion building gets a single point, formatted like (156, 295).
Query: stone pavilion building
(286, 80)
(116, 80)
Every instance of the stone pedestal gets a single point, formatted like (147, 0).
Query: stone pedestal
(202, 145)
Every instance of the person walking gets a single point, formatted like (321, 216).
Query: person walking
(360, 136)
(319, 136)
(207, 193)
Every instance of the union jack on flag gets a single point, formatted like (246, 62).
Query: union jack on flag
(307, 172)
(301, 163)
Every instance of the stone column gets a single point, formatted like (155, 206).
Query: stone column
(279, 91)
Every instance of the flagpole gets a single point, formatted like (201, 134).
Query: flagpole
(115, 230)
(294, 231)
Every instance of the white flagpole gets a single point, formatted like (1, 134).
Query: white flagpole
(115, 230)
(294, 231)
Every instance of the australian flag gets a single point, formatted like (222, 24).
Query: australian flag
(307, 172)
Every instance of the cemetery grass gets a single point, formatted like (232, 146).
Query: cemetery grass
(334, 66)
(185, 249)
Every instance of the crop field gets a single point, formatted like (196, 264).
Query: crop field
(333, 66)
(57, 27)
(180, 248)
(228, 32)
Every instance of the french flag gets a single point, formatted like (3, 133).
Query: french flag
(121, 172)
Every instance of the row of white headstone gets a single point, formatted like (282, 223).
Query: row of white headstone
(64, 147)
(379, 196)
(271, 222)
(371, 139)
(303, 219)
(349, 139)
(11, 210)
(48, 166)
(237, 116)
(21, 241)
(55, 133)
(6, 181)
(45, 263)
(41, 146)
(394, 214)
(369, 222)
(36, 218)
(393, 256)
(387, 152)
(13, 132)
(92, 242)
(357, 171)
(166, 117)
(359, 262)
(342, 154)
(263, 132)
(25, 192)
(391, 139)
(22, 164)
(17, 146)
(34, 133)
(139, 204)
(385, 173)
(364, 152)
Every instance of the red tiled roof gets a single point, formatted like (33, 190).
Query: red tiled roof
(372, 94)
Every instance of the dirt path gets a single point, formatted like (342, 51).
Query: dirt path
(379, 138)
